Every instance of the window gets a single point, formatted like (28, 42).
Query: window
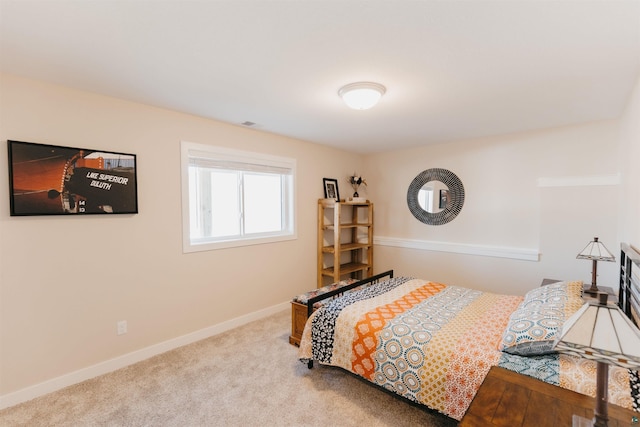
(235, 198)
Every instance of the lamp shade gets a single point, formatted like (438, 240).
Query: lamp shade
(596, 251)
(362, 95)
(602, 333)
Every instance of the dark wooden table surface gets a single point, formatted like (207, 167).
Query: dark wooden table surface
(510, 399)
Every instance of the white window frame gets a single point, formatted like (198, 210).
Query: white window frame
(192, 150)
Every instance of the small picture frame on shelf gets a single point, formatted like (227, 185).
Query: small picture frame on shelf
(331, 189)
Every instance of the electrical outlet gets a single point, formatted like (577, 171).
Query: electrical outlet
(122, 327)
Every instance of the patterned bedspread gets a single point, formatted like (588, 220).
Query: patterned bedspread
(434, 344)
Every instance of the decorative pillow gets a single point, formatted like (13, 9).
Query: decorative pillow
(533, 327)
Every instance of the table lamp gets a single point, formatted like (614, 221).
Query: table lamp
(600, 332)
(595, 251)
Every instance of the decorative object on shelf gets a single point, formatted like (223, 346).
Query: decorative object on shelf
(595, 251)
(356, 181)
(361, 95)
(435, 196)
(331, 189)
(602, 333)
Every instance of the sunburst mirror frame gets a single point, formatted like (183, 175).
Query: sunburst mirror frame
(454, 204)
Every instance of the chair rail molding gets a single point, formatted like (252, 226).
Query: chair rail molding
(524, 254)
(579, 181)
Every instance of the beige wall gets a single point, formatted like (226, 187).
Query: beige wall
(526, 192)
(66, 281)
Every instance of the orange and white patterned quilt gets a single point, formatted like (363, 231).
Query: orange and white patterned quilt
(434, 344)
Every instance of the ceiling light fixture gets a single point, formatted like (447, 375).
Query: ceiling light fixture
(361, 95)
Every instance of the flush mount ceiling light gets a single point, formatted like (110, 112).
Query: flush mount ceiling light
(361, 95)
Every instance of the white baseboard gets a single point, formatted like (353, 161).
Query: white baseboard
(460, 248)
(111, 365)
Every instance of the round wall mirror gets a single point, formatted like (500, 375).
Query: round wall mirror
(435, 196)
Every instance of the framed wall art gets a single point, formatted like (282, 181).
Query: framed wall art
(56, 180)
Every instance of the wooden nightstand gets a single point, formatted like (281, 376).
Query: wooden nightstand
(299, 308)
(587, 296)
(612, 294)
(506, 398)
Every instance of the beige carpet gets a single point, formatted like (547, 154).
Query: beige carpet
(246, 377)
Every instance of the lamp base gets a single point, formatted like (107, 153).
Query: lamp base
(591, 290)
(587, 293)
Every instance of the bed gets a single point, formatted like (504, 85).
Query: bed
(433, 343)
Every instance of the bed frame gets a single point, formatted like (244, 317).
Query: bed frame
(628, 295)
(364, 282)
(341, 290)
(629, 291)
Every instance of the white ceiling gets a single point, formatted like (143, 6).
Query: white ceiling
(452, 69)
